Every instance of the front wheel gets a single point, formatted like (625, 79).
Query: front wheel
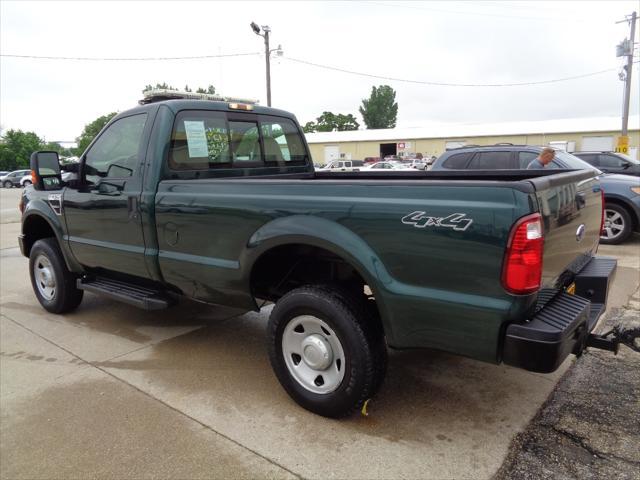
(325, 350)
(53, 284)
(617, 225)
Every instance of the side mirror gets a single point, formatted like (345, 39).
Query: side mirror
(45, 171)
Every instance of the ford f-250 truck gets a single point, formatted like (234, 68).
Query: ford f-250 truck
(219, 202)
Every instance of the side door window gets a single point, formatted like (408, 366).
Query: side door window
(611, 162)
(115, 153)
(491, 161)
(591, 159)
(525, 158)
(458, 161)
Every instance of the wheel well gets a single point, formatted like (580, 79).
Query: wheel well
(286, 267)
(621, 203)
(35, 228)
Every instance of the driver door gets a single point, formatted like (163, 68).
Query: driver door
(104, 226)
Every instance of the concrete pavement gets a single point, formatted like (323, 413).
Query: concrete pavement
(112, 391)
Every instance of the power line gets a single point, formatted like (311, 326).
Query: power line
(129, 59)
(444, 84)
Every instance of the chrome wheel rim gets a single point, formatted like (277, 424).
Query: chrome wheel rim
(613, 225)
(313, 354)
(44, 277)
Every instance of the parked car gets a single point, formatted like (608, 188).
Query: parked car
(14, 178)
(353, 262)
(26, 180)
(611, 162)
(621, 192)
(370, 160)
(415, 163)
(3, 173)
(343, 166)
(386, 166)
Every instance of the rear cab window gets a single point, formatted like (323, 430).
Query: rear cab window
(204, 140)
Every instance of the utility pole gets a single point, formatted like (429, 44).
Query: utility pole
(264, 33)
(626, 49)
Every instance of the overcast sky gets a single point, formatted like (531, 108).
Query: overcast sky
(480, 42)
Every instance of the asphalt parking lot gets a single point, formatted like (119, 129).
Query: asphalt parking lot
(112, 391)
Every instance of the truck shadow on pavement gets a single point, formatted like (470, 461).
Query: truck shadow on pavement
(428, 396)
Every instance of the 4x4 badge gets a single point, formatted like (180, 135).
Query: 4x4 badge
(457, 221)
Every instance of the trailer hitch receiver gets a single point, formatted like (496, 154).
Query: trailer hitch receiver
(613, 338)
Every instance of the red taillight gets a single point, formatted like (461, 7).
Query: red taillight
(522, 267)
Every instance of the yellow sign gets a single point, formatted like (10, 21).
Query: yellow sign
(623, 144)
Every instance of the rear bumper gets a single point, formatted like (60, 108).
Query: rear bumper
(563, 325)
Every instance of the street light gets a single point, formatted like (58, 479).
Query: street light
(264, 33)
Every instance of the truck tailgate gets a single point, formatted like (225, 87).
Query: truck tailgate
(571, 208)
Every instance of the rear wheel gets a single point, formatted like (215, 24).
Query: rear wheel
(617, 225)
(7, 184)
(26, 183)
(53, 284)
(325, 350)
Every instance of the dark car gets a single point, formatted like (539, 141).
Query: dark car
(13, 179)
(622, 192)
(611, 162)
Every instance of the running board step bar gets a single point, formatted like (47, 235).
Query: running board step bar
(141, 297)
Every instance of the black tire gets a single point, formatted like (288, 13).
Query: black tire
(26, 183)
(359, 336)
(7, 184)
(620, 216)
(65, 296)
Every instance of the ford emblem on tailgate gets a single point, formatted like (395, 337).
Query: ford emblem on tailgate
(580, 233)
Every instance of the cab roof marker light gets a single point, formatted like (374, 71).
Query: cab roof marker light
(240, 106)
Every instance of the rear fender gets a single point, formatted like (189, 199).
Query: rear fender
(331, 236)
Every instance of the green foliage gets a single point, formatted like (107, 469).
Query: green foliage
(210, 90)
(16, 148)
(331, 122)
(91, 130)
(380, 110)
(163, 85)
(309, 127)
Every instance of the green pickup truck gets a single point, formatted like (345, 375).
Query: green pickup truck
(219, 202)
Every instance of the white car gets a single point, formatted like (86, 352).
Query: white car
(25, 181)
(386, 166)
(343, 166)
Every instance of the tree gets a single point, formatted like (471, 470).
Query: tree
(91, 130)
(210, 90)
(331, 122)
(16, 148)
(309, 127)
(380, 110)
(159, 86)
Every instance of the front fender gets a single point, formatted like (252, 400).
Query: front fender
(41, 209)
(331, 236)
